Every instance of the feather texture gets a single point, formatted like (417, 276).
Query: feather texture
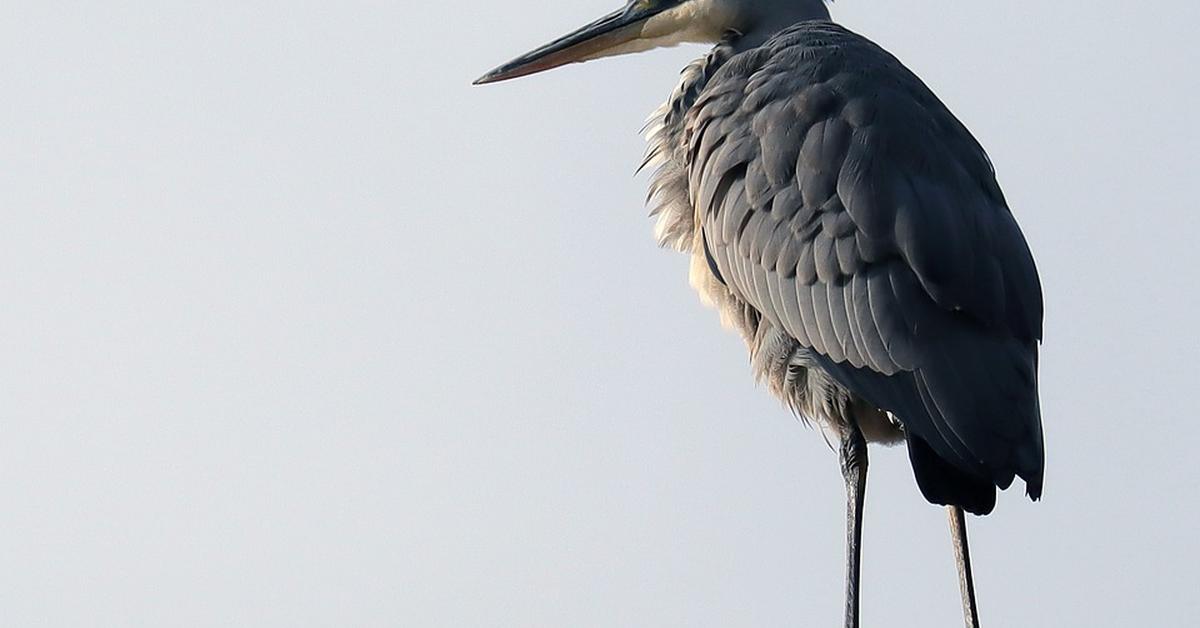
(838, 200)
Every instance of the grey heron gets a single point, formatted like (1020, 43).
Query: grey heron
(851, 229)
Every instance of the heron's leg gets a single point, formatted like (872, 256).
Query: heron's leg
(854, 470)
(962, 557)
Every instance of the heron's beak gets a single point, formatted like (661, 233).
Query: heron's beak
(615, 33)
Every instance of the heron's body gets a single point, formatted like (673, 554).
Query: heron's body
(771, 177)
(851, 229)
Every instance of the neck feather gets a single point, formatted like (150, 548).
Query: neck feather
(780, 15)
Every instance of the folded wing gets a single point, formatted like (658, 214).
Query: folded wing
(842, 200)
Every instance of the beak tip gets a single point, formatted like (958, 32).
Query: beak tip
(488, 77)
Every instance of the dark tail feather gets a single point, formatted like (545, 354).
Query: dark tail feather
(943, 483)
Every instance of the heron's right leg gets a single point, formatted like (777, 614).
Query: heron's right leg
(962, 558)
(854, 470)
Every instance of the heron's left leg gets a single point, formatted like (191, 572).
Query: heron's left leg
(854, 470)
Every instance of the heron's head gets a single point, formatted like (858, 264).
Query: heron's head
(645, 24)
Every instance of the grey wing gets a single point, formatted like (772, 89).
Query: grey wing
(844, 202)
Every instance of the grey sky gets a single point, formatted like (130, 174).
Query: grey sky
(302, 330)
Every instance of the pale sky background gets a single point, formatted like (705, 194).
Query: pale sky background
(300, 329)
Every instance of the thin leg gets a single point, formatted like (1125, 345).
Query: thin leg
(962, 557)
(854, 470)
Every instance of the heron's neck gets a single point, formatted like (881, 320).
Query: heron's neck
(781, 15)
